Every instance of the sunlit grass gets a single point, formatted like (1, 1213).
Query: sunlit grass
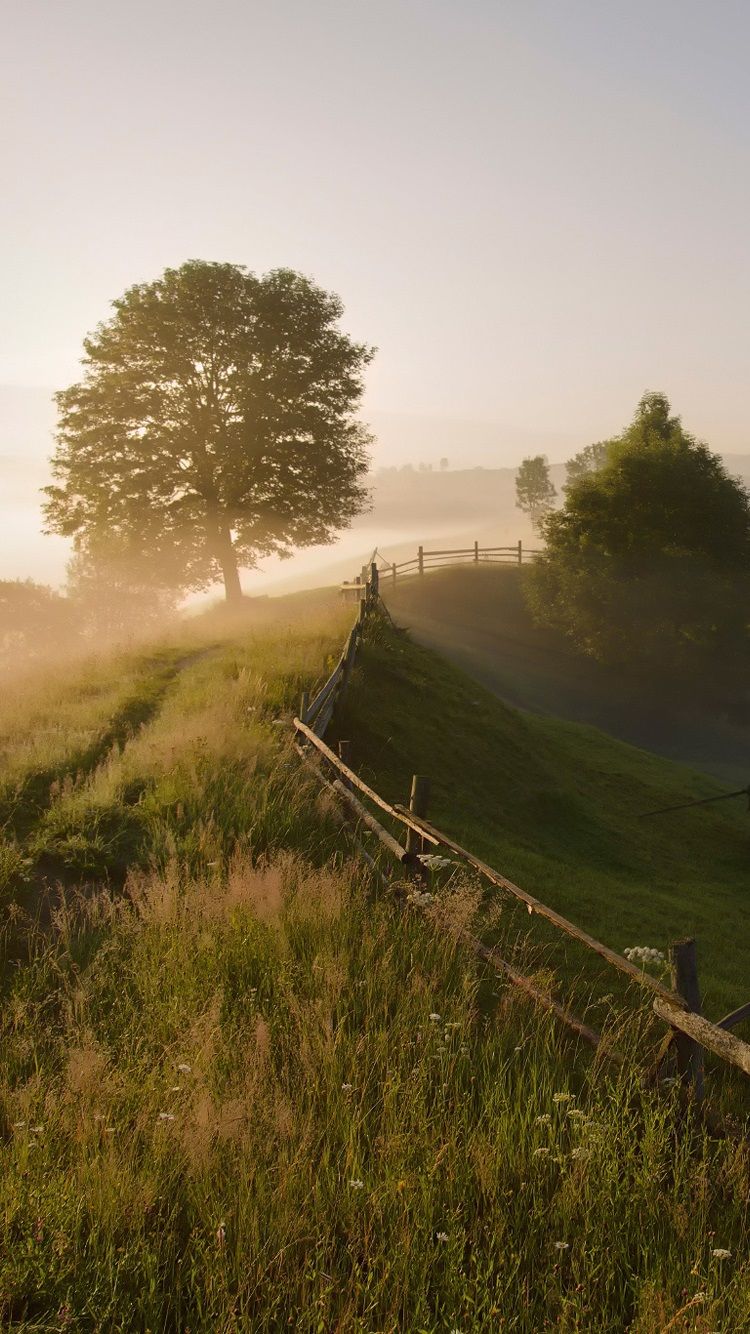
(267, 1099)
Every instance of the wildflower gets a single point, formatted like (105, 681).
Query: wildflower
(36, 1130)
(644, 954)
(562, 1245)
(165, 1116)
(563, 1097)
(579, 1153)
(441, 1236)
(433, 862)
(356, 1184)
(435, 1018)
(719, 1253)
(576, 1111)
(544, 1120)
(18, 1125)
(221, 1233)
(184, 1068)
(347, 1088)
(541, 1150)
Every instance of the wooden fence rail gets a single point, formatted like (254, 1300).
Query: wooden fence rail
(439, 559)
(678, 1008)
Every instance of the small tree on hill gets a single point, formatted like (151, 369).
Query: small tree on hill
(648, 561)
(214, 423)
(535, 493)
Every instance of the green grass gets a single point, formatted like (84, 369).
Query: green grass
(218, 1025)
(555, 806)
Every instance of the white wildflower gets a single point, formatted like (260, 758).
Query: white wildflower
(435, 1018)
(441, 1236)
(563, 1097)
(576, 1111)
(183, 1068)
(544, 1120)
(356, 1184)
(562, 1245)
(540, 1151)
(347, 1088)
(719, 1253)
(433, 862)
(165, 1116)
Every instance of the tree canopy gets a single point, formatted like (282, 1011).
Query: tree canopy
(214, 423)
(535, 492)
(649, 558)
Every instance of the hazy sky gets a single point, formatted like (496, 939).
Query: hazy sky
(535, 209)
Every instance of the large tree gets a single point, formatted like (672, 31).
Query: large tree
(214, 423)
(648, 561)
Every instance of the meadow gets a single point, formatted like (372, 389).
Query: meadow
(244, 1086)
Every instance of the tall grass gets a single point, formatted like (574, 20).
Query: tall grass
(270, 1100)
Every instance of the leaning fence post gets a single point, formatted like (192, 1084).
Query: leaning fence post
(304, 704)
(362, 610)
(418, 803)
(345, 755)
(683, 959)
(520, 551)
(394, 572)
(420, 558)
(373, 580)
(476, 553)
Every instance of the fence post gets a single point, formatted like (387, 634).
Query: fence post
(303, 705)
(394, 572)
(420, 557)
(683, 959)
(476, 553)
(362, 610)
(345, 754)
(373, 580)
(418, 803)
(520, 551)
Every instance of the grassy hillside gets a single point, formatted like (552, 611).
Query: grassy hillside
(476, 616)
(244, 1090)
(555, 806)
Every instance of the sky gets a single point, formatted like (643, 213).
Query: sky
(535, 209)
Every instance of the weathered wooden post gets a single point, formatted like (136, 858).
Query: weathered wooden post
(420, 558)
(345, 755)
(394, 573)
(419, 801)
(304, 705)
(362, 610)
(476, 553)
(373, 580)
(682, 955)
(520, 551)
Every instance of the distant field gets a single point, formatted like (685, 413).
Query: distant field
(477, 618)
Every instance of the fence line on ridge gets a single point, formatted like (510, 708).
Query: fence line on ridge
(678, 1008)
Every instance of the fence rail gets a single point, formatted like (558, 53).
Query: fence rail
(426, 560)
(678, 1008)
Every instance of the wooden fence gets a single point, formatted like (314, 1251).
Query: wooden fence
(390, 571)
(678, 1008)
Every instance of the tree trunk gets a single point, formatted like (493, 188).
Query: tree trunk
(228, 560)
